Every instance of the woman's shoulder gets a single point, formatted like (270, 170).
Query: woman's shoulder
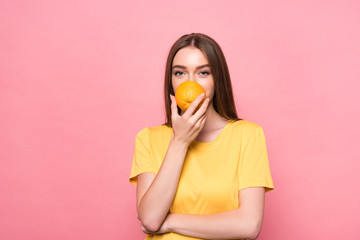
(245, 125)
(244, 128)
(155, 131)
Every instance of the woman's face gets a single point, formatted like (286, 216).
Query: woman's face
(190, 64)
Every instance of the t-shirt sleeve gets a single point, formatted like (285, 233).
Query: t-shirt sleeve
(142, 161)
(254, 169)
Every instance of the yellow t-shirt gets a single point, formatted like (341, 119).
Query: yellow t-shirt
(213, 172)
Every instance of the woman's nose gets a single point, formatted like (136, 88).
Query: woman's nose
(192, 77)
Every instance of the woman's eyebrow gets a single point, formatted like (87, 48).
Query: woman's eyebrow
(183, 67)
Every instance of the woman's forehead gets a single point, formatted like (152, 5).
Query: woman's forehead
(190, 57)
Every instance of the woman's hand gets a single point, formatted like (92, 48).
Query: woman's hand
(163, 229)
(188, 126)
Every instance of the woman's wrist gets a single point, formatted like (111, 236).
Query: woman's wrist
(171, 222)
(178, 143)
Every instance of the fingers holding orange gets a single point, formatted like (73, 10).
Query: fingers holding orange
(202, 109)
(188, 97)
(187, 92)
(199, 104)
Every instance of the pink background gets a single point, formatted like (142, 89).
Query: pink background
(79, 79)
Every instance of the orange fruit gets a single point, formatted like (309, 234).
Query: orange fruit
(187, 92)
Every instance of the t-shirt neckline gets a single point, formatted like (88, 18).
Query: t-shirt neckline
(216, 140)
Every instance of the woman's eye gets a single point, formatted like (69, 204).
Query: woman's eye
(175, 73)
(178, 73)
(206, 72)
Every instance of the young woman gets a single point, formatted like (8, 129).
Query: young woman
(200, 175)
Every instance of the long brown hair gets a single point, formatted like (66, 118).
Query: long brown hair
(223, 100)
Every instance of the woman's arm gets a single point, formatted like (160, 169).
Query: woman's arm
(240, 223)
(155, 203)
